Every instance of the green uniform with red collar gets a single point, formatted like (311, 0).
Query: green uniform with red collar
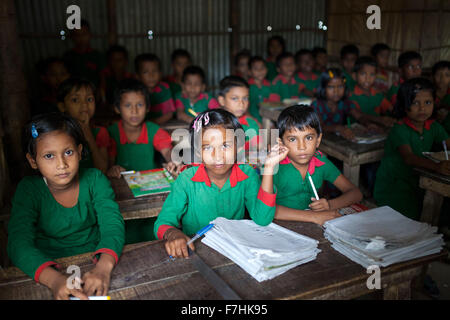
(161, 101)
(349, 81)
(203, 103)
(258, 95)
(41, 229)
(174, 86)
(102, 140)
(295, 192)
(283, 88)
(396, 184)
(271, 69)
(86, 65)
(393, 90)
(374, 104)
(194, 201)
(310, 83)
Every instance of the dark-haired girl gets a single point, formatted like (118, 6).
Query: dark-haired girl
(396, 183)
(216, 186)
(301, 133)
(64, 211)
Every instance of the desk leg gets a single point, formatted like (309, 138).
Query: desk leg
(266, 123)
(431, 210)
(401, 291)
(352, 173)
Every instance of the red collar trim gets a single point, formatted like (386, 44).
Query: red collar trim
(408, 122)
(237, 175)
(284, 80)
(302, 76)
(270, 59)
(243, 120)
(201, 96)
(157, 88)
(358, 91)
(265, 82)
(143, 137)
(315, 162)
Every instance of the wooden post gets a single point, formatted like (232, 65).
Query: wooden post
(13, 89)
(112, 21)
(235, 30)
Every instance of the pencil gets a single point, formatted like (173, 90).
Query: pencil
(192, 112)
(128, 172)
(313, 187)
(445, 149)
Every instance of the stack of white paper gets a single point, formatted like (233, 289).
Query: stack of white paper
(263, 252)
(382, 237)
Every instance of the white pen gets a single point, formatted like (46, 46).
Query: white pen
(444, 144)
(93, 298)
(313, 187)
(128, 172)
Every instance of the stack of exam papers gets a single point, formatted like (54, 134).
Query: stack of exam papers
(263, 252)
(382, 237)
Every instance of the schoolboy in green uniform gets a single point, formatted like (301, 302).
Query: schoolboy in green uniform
(349, 55)
(276, 45)
(63, 211)
(284, 86)
(397, 185)
(305, 75)
(148, 70)
(441, 79)
(180, 60)
(260, 87)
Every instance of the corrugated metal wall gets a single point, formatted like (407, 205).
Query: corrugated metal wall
(200, 26)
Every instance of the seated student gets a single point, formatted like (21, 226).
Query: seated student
(276, 45)
(305, 75)
(82, 60)
(193, 99)
(260, 87)
(410, 66)
(371, 102)
(285, 85)
(300, 132)
(381, 53)
(349, 55)
(180, 59)
(135, 140)
(441, 80)
(234, 98)
(241, 60)
(52, 72)
(333, 107)
(63, 211)
(320, 56)
(76, 97)
(396, 183)
(115, 71)
(215, 186)
(148, 70)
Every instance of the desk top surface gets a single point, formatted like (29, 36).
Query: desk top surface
(344, 146)
(433, 175)
(144, 272)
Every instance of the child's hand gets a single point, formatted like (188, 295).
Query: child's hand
(319, 205)
(347, 133)
(277, 153)
(173, 168)
(388, 121)
(176, 243)
(444, 167)
(96, 281)
(372, 127)
(61, 291)
(114, 171)
(321, 217)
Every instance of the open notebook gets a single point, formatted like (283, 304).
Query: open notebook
(148, 182)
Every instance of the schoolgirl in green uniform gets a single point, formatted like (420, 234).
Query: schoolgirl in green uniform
(215, 186)
(301, 133)
(63, 211)
(397, 185)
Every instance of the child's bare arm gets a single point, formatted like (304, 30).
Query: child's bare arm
(176, 243)
(350, 194)
(412, 160)
(181, 115)
(284, 213)
(96, 281)
(163, 119)
(57, 282)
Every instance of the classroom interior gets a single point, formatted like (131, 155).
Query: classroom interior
(214, 32)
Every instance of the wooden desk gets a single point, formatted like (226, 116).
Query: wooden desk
(270, 112)
(174, 124)
(437, 186)
(330, 276)
(136, 208)
(352, 154)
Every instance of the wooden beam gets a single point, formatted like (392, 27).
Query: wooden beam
(112, 21)
(235, 29)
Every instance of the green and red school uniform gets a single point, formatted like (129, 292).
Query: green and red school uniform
(382, 81)
(111, 83)
(102, 140)
(41, 230)
(203, 103)
(258, 95)
(283, 88)
(392, 93)
(271, 69)
(161, 101)
(373, 104)
(310, 83)
(349, 81)
(137, 155)
(86, 65)
(339, 117)
(251, 128)
(397, 185)
(446, 123)
(295, 192)
(174, 86)
(444, 102)
(194, 201)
